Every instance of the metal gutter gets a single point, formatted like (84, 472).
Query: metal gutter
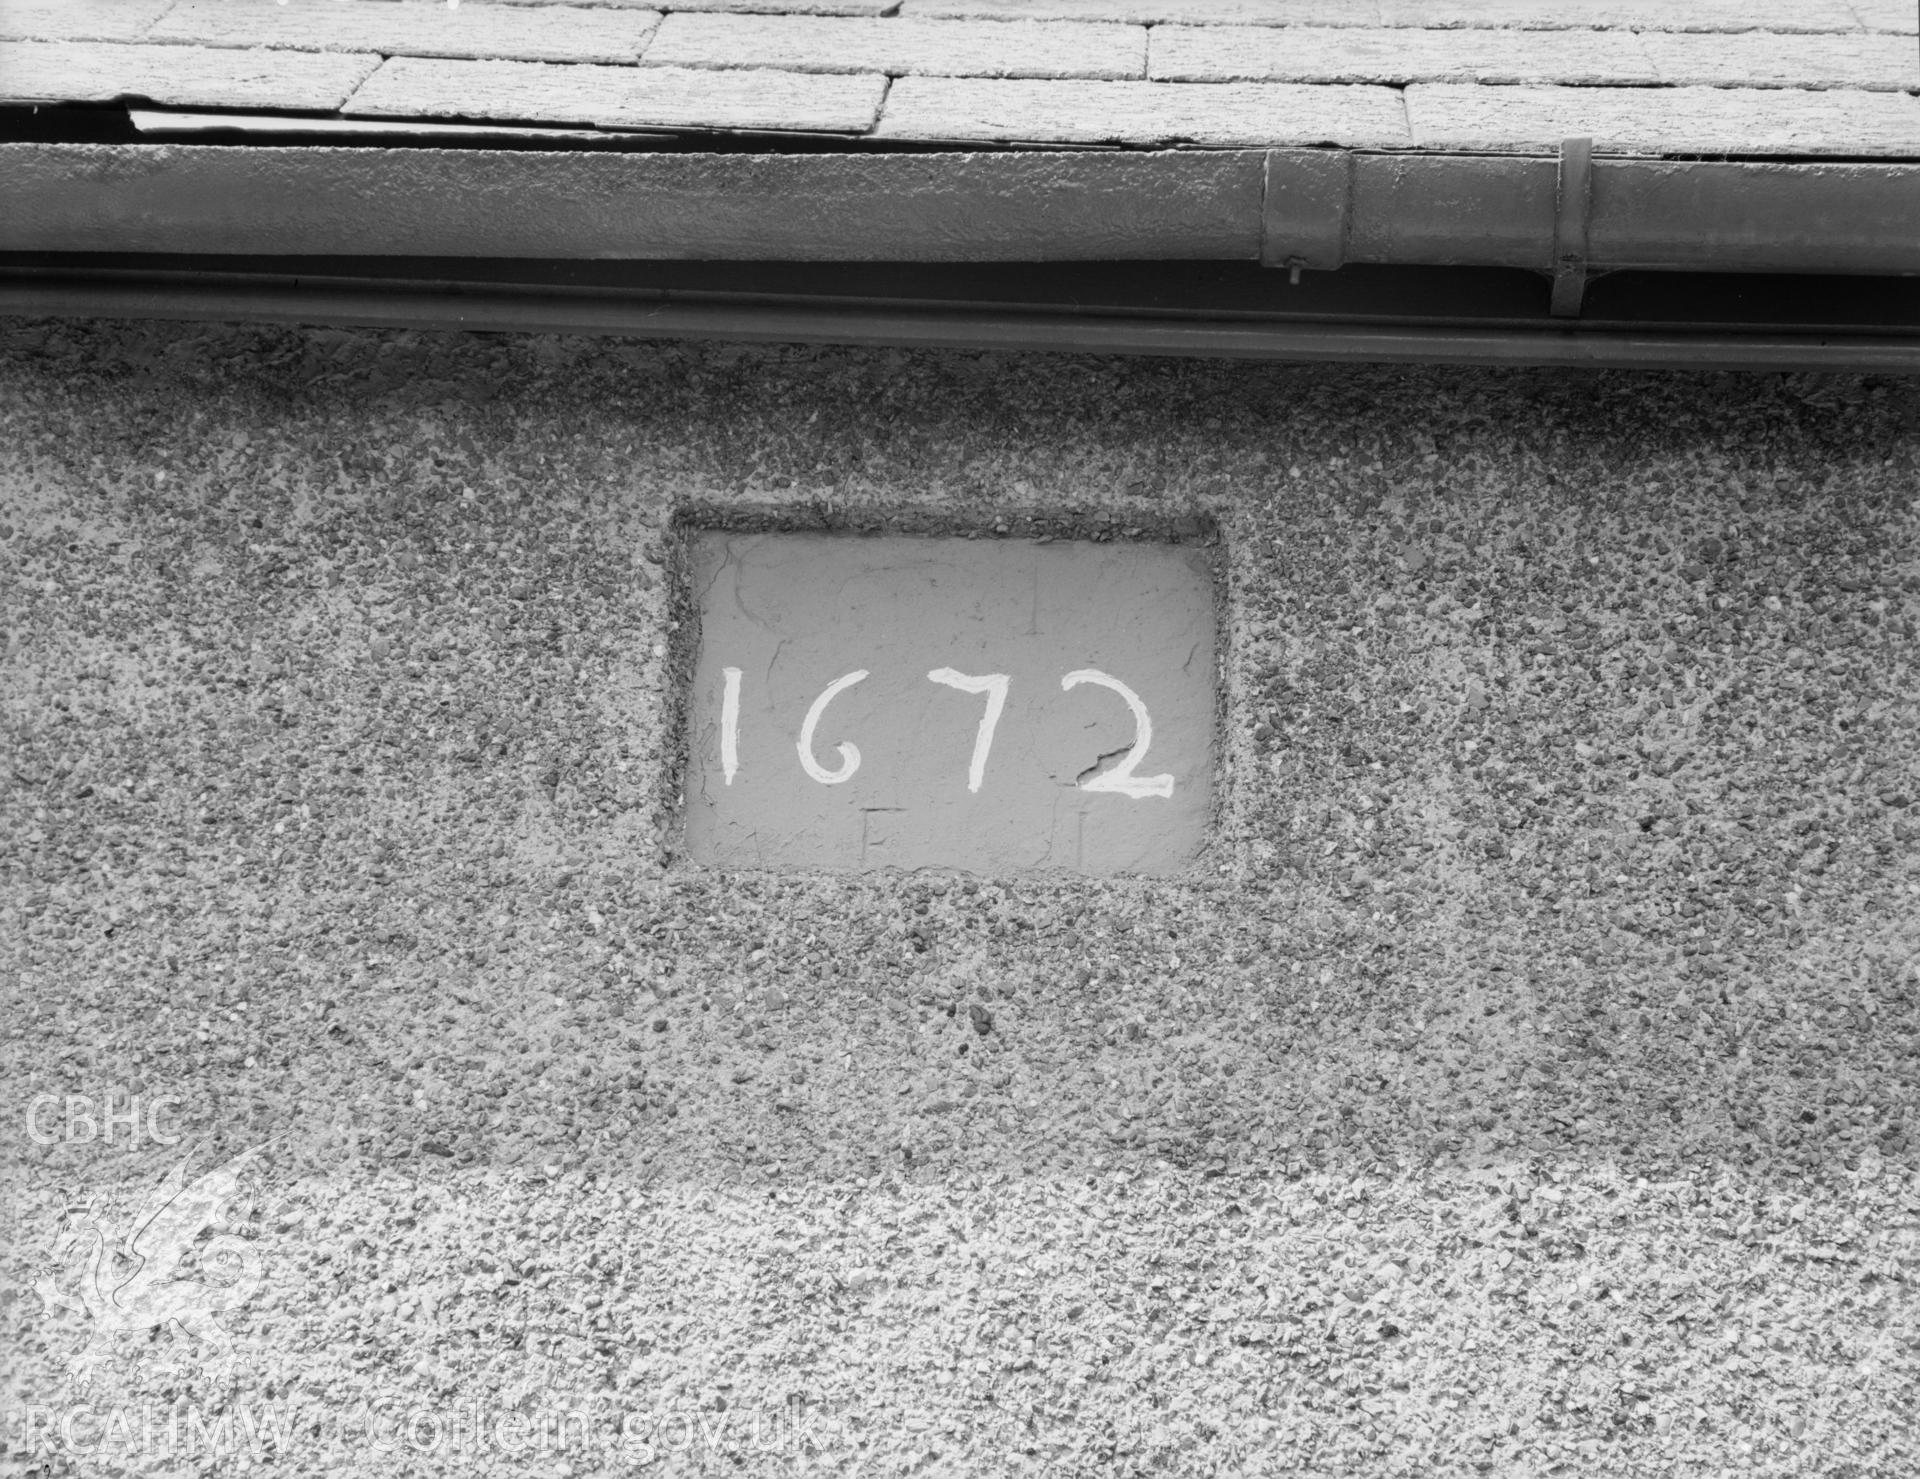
(188, 198)
(1654, 214)
(1312, 209)
(1503, 323)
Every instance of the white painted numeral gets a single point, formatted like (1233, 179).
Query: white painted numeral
(1121, 778)
(849, 754)
(994, 686)
(730, 723)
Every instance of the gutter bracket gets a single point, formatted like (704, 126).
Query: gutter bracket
(1572, 209)
(1306, 206)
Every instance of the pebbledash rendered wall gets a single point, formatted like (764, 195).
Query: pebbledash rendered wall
(1521, 1073)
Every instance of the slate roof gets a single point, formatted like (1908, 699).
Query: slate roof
(1814, 78)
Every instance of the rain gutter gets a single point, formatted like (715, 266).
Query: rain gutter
(1569, 216)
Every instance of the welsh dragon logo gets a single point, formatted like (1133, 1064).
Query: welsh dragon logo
(136, 1281)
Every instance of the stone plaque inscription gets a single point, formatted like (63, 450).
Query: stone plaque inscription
(992, 705)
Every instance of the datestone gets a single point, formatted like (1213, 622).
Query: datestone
(865, 702)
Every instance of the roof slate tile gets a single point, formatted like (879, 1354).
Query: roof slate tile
(748, 7)
(1897, 16)
(1764, 59)
(619, 97)
(790, 7)
(565, 33)
(1218, 114)
(902, 47)
(1155, 12)
(78, 20)
(1651, 15)
(178, 76)
(1312, 54)
(1740, 77)
(1664, 120)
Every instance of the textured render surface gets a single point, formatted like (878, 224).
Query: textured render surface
(178, 76)
(1533, 1083)
(619, 97)
(946, 776)
(903, 47)
(1703, 120)
(1223, 114)
(1320, 54)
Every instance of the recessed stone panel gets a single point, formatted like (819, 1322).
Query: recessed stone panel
(994, 705)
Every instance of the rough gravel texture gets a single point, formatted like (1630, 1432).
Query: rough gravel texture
(1526, 1084)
